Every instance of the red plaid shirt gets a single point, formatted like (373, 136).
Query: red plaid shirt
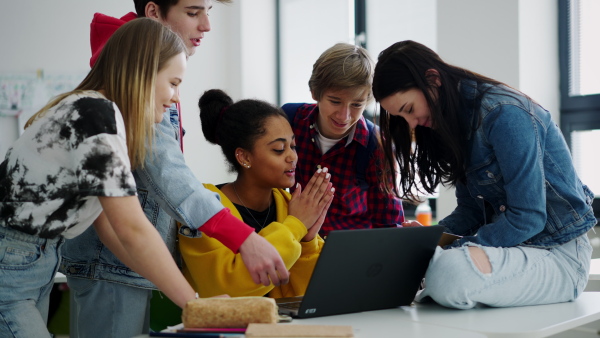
(352, 207)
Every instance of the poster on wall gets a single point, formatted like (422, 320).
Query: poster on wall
(23, 94)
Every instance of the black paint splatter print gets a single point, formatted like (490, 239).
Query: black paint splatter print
(51, 177)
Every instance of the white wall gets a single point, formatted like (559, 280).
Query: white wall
(303, 41)
(392, 21)
(482, 36)
(538, 53)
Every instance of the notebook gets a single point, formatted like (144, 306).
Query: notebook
(365, 269)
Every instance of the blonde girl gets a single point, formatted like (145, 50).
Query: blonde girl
(72, 167)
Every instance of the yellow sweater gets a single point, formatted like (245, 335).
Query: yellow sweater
(212, 269)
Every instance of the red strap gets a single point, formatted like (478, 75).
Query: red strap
(227, 229)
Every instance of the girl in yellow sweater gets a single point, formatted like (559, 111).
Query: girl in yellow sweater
(258, 143)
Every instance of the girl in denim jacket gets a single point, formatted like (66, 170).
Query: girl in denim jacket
(522, 212)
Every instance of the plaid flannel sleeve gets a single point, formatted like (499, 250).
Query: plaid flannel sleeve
(385, 209)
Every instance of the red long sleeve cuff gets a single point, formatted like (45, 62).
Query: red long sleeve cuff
(227, 229)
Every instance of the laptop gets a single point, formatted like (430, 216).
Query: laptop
(365, 269)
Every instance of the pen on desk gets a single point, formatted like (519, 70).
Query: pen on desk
(187, 334)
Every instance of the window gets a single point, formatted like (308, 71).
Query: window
(582, 142)
(579, 28)
(584, 51)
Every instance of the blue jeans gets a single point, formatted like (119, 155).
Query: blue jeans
(107, 309)
(27, 268)
(520, 275)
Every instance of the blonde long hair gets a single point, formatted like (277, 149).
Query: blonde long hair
(126, 71)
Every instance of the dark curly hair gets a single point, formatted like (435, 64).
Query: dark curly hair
(234, 125)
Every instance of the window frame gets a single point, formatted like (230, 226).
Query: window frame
(577, 113)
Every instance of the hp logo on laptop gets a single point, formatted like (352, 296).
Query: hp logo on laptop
(374, 270)
(310, 311)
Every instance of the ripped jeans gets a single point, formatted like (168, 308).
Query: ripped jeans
(520, 275)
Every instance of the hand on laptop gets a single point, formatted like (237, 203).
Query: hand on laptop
(310, 204)
(409, 224)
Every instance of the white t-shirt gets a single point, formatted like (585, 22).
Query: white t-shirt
(52, 176)
(325, 143)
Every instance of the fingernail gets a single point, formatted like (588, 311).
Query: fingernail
(328, 175)
(319, 171)
(325, 170)
(332, 189)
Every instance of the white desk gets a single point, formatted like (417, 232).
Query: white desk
(432, 320)
(384, 323)
(388, 323)
(594, 276)
(425, 320)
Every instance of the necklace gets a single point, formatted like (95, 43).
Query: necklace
(244, 205)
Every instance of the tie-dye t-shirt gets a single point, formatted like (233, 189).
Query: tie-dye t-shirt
(52, 176)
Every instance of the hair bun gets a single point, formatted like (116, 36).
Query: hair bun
(211, 104)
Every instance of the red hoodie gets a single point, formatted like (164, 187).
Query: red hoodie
(101, 28)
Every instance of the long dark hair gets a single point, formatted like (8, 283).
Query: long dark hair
(234, 125)
(439, 155)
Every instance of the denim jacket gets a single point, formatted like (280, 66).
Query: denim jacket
(168, 191)
(521, 187)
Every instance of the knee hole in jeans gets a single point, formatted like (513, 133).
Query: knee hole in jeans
(480, 259)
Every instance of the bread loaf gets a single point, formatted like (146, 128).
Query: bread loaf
(229, 312)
